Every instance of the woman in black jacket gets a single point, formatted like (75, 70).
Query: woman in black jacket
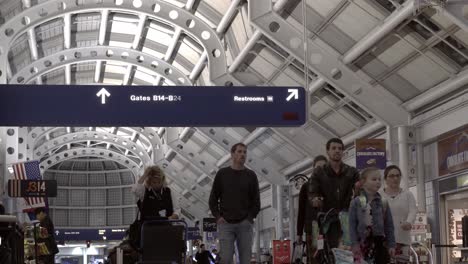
(154, 197)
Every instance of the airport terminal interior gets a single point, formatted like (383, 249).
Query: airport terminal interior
(392, 71)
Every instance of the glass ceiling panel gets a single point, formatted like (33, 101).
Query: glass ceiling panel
(190, 49)
(356, 22)
(219, 5)
(144, 76)
(116, 67)
(323, 7)
(178, 3)
(181, 68)
(205, 19)
(161, 33)
(153, 52)
(124, 23)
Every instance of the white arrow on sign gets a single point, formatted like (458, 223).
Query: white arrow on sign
(57, 232)
(103, 93)
(292, 93)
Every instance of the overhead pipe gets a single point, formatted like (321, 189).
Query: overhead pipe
(245, 51)
(279, 5)
(444, 88)
(349, 139)
(298, 167)
(228, 17)
(67, 44)
(405, 11)
(254, 135)
(101, 40)
(316, 85)
(403, 155)
(103, 26)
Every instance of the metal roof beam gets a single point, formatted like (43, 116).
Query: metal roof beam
(260, 166)
(101, 42)
(385, 106)
(220, 30)
(438, 91)
(457, 11)
(201, 32)
(100, 53)
(391, 22)
(67, 44)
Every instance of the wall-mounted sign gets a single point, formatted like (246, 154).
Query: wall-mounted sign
(32, 188)
(209, 224)
(281, 251)
(89, 234)
(370, 152)
(453, 153)
(193, 233)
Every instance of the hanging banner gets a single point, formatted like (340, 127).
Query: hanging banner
(453, 152)
(370, 152)
(281, 251)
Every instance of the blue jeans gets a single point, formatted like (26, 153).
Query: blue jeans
(240, 233)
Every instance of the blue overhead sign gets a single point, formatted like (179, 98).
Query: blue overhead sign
(89, 234)
(93, 105)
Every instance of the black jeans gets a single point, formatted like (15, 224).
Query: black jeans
(381, 254)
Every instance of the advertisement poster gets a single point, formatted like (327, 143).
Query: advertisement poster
(453, 153)
(281, 251)
(420, 224)
(455, 228)
(370, 152)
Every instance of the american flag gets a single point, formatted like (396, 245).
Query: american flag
(29, 171)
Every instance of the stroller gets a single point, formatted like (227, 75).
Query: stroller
(325, 220)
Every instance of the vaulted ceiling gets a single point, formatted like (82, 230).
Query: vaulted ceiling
(371, 63)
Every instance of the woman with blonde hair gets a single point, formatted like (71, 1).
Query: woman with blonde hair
(154, 197)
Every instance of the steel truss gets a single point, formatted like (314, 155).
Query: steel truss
(99, 53)
(159, 10)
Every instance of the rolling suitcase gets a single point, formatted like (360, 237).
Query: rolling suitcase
(163, 241)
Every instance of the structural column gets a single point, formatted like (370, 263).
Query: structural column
(190, 246)
(421, 185)
(257, 239)
(403, 155)
(389, 144)
(292, 214)
(279, 210)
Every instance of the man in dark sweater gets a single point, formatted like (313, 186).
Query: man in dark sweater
(235, 202)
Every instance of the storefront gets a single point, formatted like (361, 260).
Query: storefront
(452, 152)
